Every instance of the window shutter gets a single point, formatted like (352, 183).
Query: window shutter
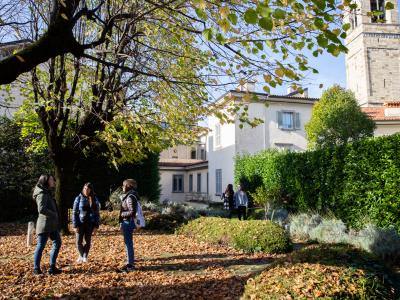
(297, 121)
(279, 119)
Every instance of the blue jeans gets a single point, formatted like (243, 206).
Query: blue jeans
(127, 230)
(42, 240)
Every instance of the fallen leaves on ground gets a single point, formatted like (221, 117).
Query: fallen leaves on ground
(167, 267)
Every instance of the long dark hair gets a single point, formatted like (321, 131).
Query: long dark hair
(91, 196)
(43, 181)
(229, 190)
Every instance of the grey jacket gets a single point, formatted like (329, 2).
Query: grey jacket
(241, 199)
(47, 209)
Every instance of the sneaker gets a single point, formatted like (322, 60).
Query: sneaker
(54, 270)
(84, 259)
(79, 260)
(37, 271)
(128, 268)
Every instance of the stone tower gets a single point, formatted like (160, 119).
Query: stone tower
(373, 60)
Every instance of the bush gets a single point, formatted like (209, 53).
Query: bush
(249, 236)
(323, 272)
(355, 181)
(329, 231)
(302, 224)
(385, 243)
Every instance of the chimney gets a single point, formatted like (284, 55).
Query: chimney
(248, 86)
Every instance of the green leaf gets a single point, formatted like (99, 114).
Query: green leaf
(208, 34)
(322, 41)
(319, 23)
(201, 14)
(346, 26)
(279, 13)
(320, 4)
(389, 6)
(264, 11)
(250, 16)
(233, 18)
(266, 23)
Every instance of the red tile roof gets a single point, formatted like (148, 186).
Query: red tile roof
(378, 113)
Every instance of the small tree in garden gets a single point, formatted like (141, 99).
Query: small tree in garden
(337, 119)
(269, 198)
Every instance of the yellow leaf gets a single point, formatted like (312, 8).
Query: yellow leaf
(224, 11)
(64, 16)
(20, 58)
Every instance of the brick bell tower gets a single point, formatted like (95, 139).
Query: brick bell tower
(373, 60)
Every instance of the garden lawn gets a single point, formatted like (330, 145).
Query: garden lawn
(168, 267)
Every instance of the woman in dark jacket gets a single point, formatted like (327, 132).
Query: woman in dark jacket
(85, 219)
(47, 225)
(129, 200)
(229, 204)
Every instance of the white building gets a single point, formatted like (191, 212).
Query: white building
(283, 119)
(184, 173)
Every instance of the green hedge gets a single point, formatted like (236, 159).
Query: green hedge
(250, 236)
(356, 181)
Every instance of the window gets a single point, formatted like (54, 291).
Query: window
(207, 183)
(377, 5)
(218, 135)
(288, 120)
(202, 154)
(191, 183)
(198, 182)
(193, 154)
(177, 184)
(218, 182)
(284, 146)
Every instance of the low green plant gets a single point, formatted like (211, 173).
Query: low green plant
(250, 236)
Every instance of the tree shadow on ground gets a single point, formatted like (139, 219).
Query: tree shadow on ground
(227, 288)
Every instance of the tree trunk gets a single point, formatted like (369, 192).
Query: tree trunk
(64, 189)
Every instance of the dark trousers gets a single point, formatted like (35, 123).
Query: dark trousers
(84, 232)
(242, 212)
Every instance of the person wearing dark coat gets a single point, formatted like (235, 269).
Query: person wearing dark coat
(47, 225)
(229, 203)
(85, 219)
(129, 205)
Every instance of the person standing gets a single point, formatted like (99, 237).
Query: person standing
(129, 204)
(229, 203)
(85, 219)
(47, 225)
(241, 202)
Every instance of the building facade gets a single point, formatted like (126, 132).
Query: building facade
(184, 173)
(283, 119)
(373, 60)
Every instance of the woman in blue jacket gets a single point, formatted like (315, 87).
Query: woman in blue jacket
(85, 219)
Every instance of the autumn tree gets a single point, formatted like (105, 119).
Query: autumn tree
(337, 119)
(140, 79)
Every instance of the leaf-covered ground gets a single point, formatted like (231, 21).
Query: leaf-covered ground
(168, 267)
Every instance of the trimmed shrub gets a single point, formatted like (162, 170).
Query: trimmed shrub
(354, 181)
(323, 272)
(250, 236)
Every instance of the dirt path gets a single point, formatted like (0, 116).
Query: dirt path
(168, 267)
